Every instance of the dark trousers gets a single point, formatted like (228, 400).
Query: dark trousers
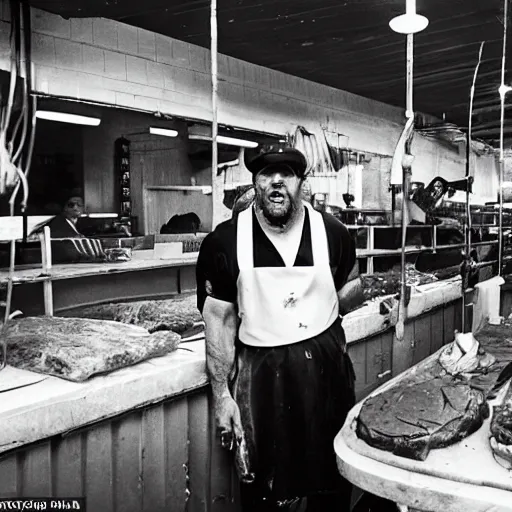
(293, 401)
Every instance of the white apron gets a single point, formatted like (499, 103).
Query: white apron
(284, 305)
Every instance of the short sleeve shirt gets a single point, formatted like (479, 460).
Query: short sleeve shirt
(217, 266)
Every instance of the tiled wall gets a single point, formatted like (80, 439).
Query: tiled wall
(106, 61)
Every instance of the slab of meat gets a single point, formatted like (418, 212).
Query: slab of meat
(501, 428)
(176, 315)
(411, 420)
(77, 348)
(388, 283)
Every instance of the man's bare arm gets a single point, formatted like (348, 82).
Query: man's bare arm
(351, 295)
(220, 319)
(221, 325)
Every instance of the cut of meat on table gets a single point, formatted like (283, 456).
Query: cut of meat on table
(178, 315)
(409, 421)
(388, 283)
(501, 431)
(76, 348)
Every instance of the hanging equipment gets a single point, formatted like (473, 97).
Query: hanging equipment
(216, 182)
(467, 266)
(502, 91)
(16, 155)
(409, 24)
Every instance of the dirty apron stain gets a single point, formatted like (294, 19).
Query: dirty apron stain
(294, 382)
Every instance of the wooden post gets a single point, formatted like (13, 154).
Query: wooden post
(46, 256)
(217, 188)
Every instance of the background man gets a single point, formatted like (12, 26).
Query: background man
(271, 284)
(64, 225)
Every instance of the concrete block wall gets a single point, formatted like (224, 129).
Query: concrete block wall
(107, 61)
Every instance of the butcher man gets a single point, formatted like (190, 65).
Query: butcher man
(272, 284)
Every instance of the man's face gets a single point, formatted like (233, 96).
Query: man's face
(73, 208)
(278, 193)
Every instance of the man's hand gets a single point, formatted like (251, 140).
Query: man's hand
(229, 424)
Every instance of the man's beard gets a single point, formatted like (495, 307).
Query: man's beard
(277, 214)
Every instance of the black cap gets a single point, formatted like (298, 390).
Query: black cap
(291, 157)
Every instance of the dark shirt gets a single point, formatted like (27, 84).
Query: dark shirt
(60, 228)
(217, 266)
(63, 251)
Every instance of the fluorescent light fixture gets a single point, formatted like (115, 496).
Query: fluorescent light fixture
(410, 22)
(100, 215)
(227, 140)
(67, 118)
(163, 131)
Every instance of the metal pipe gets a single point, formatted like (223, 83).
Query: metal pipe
(215, 126)
(502, 121)
(406, 178)
(468, 223)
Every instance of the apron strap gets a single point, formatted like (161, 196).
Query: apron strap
(320, 246)
(244, 240)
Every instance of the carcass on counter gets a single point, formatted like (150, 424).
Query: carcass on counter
(77, 348)
(179, 314)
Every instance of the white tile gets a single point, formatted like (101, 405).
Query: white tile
(131, 88)
(93, 80)
(125, 100)
(200, 59)
(51, 24)
(115, 65)
(202, 84)
(171, 77)
(85, 92)
(136, 70)
(93, 60)
(43, 49)
(64, 83)
(155, 74)
(180, 53)
(163, 49)
(127, 39)
(222, 65)
(147, 44)
(68, 54)
(81, 30)
(144, 103)
(104, 33)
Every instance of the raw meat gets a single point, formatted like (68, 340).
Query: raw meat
(77, 348)
(501, 430)
(176, 315)
(388, 283)
(411, 420)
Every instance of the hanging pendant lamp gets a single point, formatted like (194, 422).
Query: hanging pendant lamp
(410, 22)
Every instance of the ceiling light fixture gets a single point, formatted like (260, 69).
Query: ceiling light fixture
(100, 215)
(163, 131)
(62, 117)
(227, 140)
(410, 22)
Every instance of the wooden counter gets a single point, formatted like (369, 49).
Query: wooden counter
(82, 284)
(35, 274)
(143, 438)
